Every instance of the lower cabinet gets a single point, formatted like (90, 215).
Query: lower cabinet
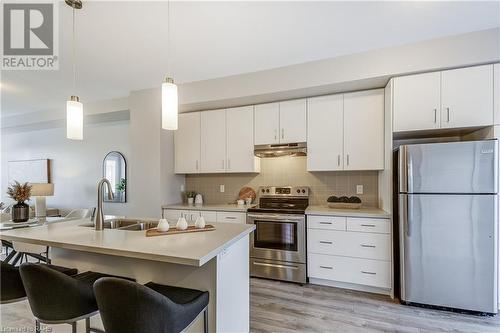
(355, 252)
(172, 215)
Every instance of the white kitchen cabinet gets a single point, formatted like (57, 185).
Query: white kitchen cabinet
(232, 217)
(267, 123)
(417, 102)
(293, 118)
(239, 140)
(213, 141)
(187, 144)
(496, 93)
(364, 130)
(172, 215)
(325, 133)
(467, 97)
(209, 216)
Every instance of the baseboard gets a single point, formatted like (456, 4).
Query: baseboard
(351, 286)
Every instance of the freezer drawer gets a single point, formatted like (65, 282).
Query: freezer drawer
(455, 167)
(447, 250)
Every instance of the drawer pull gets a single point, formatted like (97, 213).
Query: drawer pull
(325, 223)
(230, 217)
(368, 225)
(325, 242)
(326, 267)
(370, 246)
(369, 273)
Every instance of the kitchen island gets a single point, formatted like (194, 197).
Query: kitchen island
(216, 261)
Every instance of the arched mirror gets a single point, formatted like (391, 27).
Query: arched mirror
(114, 169)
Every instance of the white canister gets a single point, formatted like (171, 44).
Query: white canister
(200, 222)
(181, 224)
(240, 202)
(163, 225)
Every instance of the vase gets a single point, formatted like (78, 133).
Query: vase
(190, 201)
(20, 212)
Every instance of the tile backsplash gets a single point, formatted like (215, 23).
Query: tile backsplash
(287, 171)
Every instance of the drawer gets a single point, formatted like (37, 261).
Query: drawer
(362, 224)
(350, 270)
(231, 217)
(210, 216)
(349, 244)
(172, 215)
(326, 222)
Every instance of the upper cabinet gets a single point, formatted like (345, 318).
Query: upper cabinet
(449, 99)
(417, 101)
(283, 122)
(239, 144)
(213, 141)
(267, 123)
(496, 94)
(346, 132)
(364, 130)
(227, 141)
(187, 143)
(325, 133)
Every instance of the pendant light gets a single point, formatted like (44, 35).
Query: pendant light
(169, 97)
(74, 108)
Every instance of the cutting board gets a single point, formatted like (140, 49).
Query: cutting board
(247, 192)
(174, 231)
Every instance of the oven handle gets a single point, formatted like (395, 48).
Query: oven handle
(277, 217)
(274, 265)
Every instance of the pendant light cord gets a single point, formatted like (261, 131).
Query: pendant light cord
(168, 39)
(74, 56)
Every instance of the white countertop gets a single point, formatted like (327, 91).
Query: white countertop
(362, 212)
(211, 207)
(194, 249)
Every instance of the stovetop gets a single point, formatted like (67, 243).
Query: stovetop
(282, 200)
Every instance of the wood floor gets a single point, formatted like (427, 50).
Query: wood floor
(285, 307)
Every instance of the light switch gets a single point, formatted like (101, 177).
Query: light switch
(359, 189)
(222, 188)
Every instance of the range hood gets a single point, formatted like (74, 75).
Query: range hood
(277, 150)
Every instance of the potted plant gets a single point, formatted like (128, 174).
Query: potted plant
(190, 197)
(120, 188)
(20, 193)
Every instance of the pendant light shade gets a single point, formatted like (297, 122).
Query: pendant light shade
(74, 119)
(169, 105)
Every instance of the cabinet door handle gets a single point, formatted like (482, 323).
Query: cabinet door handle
(369, 273)
(368, 225)
(338, 160)
(347, 159)
(275, 134)
(228, 163)
(325, 242)
(435, 115)
(366, 245)
(282, 133)
(325, 223)
(223, 164)
(326, 267)
(196, 164)
(448, 114)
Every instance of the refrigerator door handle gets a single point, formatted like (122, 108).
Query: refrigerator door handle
(403, 226)
(403, 169)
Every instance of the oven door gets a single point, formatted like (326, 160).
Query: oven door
(278, 237)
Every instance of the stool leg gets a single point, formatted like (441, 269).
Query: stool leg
(73, 327)
(205, 320)
(87, 325)
(37, 326)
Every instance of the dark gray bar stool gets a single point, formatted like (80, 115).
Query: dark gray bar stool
(56, 298)
(11, 284)
(129, 307)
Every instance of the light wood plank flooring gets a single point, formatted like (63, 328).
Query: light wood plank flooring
(285, 307)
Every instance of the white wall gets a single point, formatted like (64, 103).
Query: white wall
(76, 165)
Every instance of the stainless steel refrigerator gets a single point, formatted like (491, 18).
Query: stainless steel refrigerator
(448, 220)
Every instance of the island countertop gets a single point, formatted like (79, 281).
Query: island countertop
(372, 212)
(194, 249)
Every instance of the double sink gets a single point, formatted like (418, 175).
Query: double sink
(125, 224)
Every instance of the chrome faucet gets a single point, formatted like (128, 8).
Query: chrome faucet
(99, 216)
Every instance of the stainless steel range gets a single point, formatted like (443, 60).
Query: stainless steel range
(278, 244)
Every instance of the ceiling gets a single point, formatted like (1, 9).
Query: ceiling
(122, 46)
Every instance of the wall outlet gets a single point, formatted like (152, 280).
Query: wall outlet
(183, 188)
(359, 189)
(222, 188)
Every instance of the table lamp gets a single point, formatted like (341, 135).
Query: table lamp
(40, 191)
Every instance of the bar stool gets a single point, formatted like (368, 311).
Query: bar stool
(11, 284)
(56, 298)
(129, 307)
